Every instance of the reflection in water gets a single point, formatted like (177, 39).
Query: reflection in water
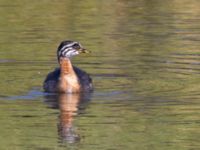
(68, 109)
(69, 105)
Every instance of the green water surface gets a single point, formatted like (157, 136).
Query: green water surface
(145, 65)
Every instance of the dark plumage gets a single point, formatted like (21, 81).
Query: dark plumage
(52, 79)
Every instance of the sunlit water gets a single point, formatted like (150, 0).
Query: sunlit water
(145, 65)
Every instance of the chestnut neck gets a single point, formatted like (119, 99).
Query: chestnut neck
(68, 81)
(65, 66)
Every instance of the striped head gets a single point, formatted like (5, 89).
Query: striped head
(68, 49)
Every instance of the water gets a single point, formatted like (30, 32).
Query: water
(145, 64)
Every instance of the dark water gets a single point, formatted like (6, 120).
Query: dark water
(145, 64)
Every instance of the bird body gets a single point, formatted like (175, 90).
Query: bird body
(68, 78)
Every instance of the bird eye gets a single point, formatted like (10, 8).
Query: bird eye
(76, 46)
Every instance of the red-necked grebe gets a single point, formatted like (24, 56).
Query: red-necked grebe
(68, 78)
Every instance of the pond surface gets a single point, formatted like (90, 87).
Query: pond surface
(145, 65)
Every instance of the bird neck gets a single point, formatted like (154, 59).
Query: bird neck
(68, 81)
(66, 66)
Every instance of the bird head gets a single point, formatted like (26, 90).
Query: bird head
(68, 49)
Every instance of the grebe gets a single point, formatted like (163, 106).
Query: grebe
(68, 78)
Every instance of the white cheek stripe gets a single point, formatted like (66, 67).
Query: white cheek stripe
(68, 52)
(67, 46)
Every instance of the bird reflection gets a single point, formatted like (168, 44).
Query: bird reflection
(69, 106)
